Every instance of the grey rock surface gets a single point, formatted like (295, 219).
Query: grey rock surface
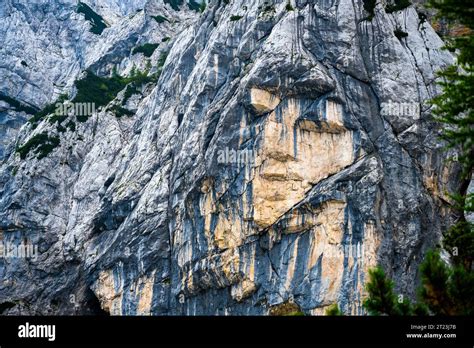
(281, 153)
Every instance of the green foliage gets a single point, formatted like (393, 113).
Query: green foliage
(420, 309)
(403, 307)
(455, 106)
(203, 6)
(60, 128)
(47, 110)
(71, 126)
(397, 5)
(98, 90)
(192, 4)
(333, 310)
(165, 39)
(196, 6)
(56, 119)
(162, 59)
(267, 8)
(381, 299)
(160, 19)
(235, 18)
(286, 309)
(175, 4)
(102, 90)
(454, 109)
(98, 23)
(446, 290)
(435, 276)
(288, 6)
(129, 91)
(82, 118)
(460, 11)
(18, 106)
(461, 290)
(41, 144)
(399, 33)
(136, 80)
(369, 7)
(458, 240)
(147, 49)
(422, 17)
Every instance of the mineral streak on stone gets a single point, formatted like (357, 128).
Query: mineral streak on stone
(135, 215)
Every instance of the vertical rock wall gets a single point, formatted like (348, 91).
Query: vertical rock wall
(283, 152)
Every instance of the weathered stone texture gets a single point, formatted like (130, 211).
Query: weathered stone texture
(138, 215)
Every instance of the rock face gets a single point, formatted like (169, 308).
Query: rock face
(285, 148)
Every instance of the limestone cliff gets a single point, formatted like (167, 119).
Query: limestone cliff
(274, 151)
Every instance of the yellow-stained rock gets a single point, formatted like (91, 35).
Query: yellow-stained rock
(230, 260)
(263, 101)
(326, 241)
(228, 231)
(104, 288)
(287, 167)
(144, 286)
(109, 290)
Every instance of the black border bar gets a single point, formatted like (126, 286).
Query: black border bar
(291, 331)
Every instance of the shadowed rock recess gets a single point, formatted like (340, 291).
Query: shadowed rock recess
(257, 165)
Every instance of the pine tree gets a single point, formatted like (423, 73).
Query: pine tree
(333, 310)
(458, 241)
(381, 298)
(446, 289)
(455, 106)
(435, 276)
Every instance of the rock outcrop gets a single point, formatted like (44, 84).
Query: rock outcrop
(275, 152)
